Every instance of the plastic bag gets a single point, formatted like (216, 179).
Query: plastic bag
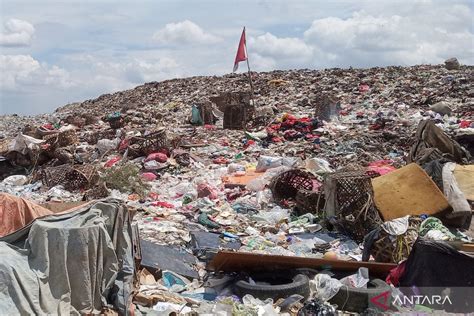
(148, 176)
(196, 116)
(105, 145)
(171, 279)
(164, 308)
(268, 162)
(257, 184)
(324, 287)
(262, 307)
(318, 165)
(159, 157)
(15, 180)
(23, 143)
(274, 216)
(359, 280)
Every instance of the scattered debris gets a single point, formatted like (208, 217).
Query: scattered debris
(300, 200)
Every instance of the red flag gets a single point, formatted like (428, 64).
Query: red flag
(241, 51)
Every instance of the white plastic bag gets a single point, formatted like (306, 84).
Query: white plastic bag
(359, 280)
(15, 180)
(318, 165)
(324, 287)
(268, 162)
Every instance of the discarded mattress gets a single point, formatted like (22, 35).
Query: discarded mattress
(407, 191)
(74, 263)
(16, 212)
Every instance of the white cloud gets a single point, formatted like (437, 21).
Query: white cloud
(429, 33)
(16, 33)
(136, 71)
(419, 37)
(185, 32)
(22, 71)
(270, 45)
(361, 31)
(260, 63)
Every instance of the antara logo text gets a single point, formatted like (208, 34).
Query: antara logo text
(382, 300)
(422, 300)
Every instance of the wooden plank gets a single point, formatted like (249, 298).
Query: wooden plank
(242, 261)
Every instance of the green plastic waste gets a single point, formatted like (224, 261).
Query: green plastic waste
(203, 219)
(196, 118)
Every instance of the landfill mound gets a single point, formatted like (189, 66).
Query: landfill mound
(308, 194)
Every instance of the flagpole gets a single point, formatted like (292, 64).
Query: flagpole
(250, 76)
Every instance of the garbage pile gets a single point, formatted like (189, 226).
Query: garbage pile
(330, 191)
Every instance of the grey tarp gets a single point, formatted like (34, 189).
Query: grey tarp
(72, 263)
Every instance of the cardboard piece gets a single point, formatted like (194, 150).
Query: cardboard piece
(465, 178)
(407, 191)
(242, 181)
(242, 261)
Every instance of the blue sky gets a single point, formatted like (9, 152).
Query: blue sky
(56, 52)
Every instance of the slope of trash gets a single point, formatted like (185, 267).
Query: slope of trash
(343, 170)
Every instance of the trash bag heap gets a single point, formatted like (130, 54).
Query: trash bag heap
(325, 192)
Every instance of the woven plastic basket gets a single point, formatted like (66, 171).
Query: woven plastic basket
(72, 178)
(145, 145)
(61, 139)
(205, 110)
(287, 184)
(326, 106)
(96, 192)
(352, 199)
(235, 116)
(309, 202)
(393, 249)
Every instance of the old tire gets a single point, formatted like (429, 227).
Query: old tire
(354, 299)
(279, 287)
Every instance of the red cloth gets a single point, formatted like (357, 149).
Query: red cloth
(112, 161)
(464, 124)
(163, 204)
(395, 274)
(241, 51)
(381, 167)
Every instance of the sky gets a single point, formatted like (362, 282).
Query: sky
(56, 52)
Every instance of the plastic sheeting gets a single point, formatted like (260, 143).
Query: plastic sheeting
(461, 208)
(434, 266)
(16, 212)
(24, 143)
(73, 263)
